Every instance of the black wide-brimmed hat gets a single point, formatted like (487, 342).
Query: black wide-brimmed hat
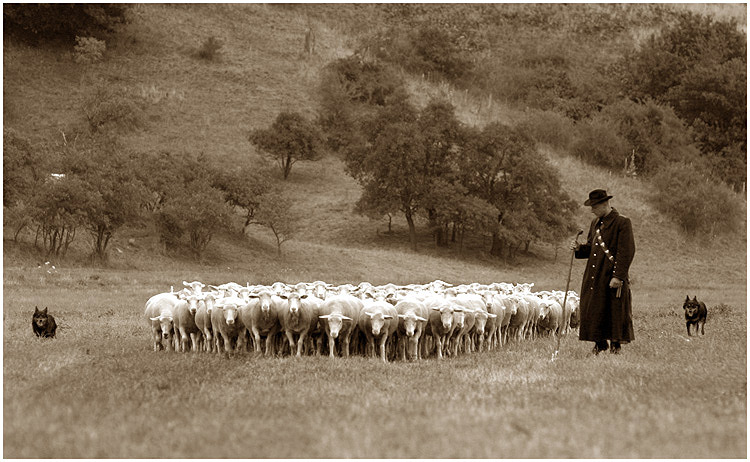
(597, 196)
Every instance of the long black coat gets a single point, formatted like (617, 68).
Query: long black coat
(603, 315)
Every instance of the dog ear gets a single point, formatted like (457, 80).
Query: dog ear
(36, 309)
(695, 299)
(45, 310)
(687, 298)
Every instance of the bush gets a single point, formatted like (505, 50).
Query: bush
(88, 50)
(547, 127)
(698, 205)
(653, 131)
(113, 108)
(210, 50)
(598, 143)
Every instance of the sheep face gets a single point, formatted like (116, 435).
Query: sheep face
(265, 302)
(230, 314)
(446, 317)
(377, 321)
(335, 322)
(165, 325)
(459, 318)
(410, 323)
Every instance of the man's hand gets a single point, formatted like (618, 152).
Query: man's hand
(615, 283)
(574, 245)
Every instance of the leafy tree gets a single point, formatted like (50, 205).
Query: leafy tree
(390, 164)
(351, 90)
(24, 167)
(62, 21)
(110, 173)
(198, 211)
(59, 208)
(501, 167)
(245, 188)
(443, 136)
(698, 65)
(289, 139)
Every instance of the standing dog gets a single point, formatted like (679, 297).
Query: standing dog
(43, 324)
(695, 315)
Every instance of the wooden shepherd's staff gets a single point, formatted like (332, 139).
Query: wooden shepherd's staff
(565, 298)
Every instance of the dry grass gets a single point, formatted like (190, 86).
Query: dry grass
(98, 391)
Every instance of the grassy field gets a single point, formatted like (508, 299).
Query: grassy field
(99, 391)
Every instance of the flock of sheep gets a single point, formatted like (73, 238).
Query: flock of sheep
(414, 321)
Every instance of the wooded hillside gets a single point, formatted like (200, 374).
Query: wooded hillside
(151, 125)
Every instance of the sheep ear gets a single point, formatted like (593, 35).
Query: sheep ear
(387, 316)
(155, 319)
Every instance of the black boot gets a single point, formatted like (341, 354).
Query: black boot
(600, 346)
(614, 347)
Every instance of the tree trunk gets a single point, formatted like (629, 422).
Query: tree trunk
(287, 166)
(412, 231)
(497, 246)
(437, 229)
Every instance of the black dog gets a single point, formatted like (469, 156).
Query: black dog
(43, 324)
(695, 314)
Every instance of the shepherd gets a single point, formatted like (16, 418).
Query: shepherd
(606, 311)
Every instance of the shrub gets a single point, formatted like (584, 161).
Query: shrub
(210, 50)
(88, 50)
(598, 143)
(697, 204)
(547, 127)
(113, 108)
(653, 132)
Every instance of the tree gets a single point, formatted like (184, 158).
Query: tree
(245, 188)
(390, 164)
(698, 65)
(275, 214)
(59, 208)
(350, 92)
(62, 21)
(198, 211)
(443, 136)
(24, 167)
(290, 138)
(501, 167)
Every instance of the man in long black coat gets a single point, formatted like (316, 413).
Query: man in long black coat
(606, 311)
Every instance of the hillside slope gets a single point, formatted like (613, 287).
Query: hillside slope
(197, 107)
